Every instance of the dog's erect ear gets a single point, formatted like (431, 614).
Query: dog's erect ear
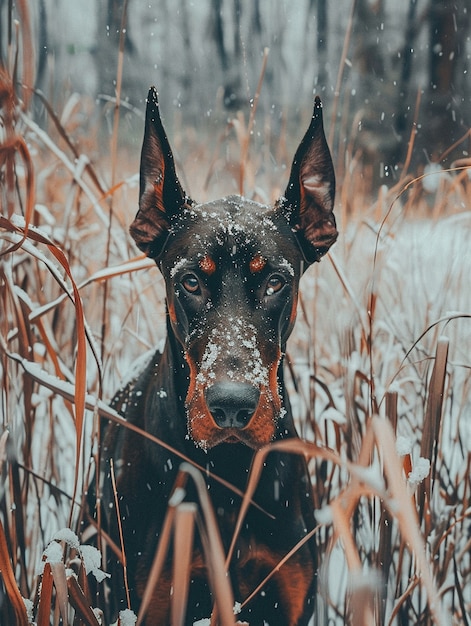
(310, 194)
(160, 194)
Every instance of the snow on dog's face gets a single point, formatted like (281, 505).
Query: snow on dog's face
(232, 269)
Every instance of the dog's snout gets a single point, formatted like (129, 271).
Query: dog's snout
(232, 404)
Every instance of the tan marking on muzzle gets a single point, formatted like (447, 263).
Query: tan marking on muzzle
(260, 429)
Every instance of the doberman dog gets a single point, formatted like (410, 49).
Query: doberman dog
(215, 393)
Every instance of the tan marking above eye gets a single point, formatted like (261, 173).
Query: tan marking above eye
(257, 264)
(208, 265)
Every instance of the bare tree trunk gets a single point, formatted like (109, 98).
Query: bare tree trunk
(443, 46)
(256, 17)
(322, 33)
(368, 52)
(406, 69)
(188, 70)
(218, 33)
(447, 115)
(109, 32)
(375, 141)
(237, 8)
(231, 60)
(43, 43)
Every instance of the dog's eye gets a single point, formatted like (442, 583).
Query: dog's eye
(191, 283)
(274, 284)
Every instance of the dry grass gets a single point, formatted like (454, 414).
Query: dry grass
(381, 352)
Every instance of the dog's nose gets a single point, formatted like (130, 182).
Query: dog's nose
(232, 404)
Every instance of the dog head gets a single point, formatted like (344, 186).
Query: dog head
(232, 269)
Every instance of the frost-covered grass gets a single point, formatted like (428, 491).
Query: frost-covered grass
(378, 367)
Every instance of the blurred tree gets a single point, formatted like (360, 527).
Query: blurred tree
(445, 44)
(111, 19)
(407, 53)
(447, 111)
(412, 64)
(368, 53)
(188, 67)
(322, 40)
(218, 33)
(230, 56)
(372, 92)
(42, 43)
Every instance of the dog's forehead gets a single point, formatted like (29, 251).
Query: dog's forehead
(234, 217)
(233, 221)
